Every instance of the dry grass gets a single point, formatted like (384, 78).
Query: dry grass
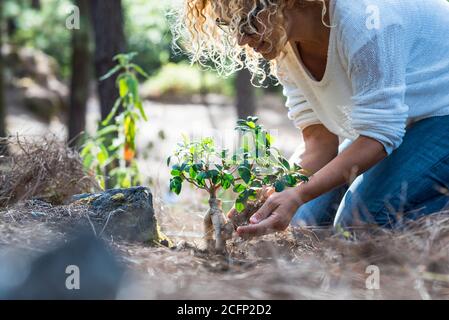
(45, 169)
(413, 264)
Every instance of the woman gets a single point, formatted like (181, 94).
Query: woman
(372, 73)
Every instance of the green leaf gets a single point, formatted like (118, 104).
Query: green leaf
(139, 70)
(256, 184)
(176, 171)
(239, 206)
(284, 162)
(111, 114)
(227, 180)
(102, 156)
(238, 188)
(124, 58)
(242, 199)
(269, 139)
(107, 130)
(279, 186)
(200, 178)
(290, 180)
(246, 162)
(198, 167)
(88, 160)
(86, 149)
(125, 182)
(261, 142)
(224, 153)
(133, 86)
(192, 172)
(142, 111)
(176, 185)
(168, 161)
(252, 194)
(123, 87)
(245, 174)
(214, 175)
(130, 131)
(110, 73)
(269, 179)
(251, 124)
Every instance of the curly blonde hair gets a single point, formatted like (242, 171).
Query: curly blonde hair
(197, 31)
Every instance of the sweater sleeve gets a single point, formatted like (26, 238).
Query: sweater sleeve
(376, 64)
(299, 109)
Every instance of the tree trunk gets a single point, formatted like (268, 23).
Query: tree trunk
(245, 100)
(79, 87)
(36, 4)
(216, 227)
(107, 20)
(2, 97)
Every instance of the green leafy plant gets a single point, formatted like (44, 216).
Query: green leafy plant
(114, 143)
(255, 164)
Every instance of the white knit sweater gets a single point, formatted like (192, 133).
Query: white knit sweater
(388, 66)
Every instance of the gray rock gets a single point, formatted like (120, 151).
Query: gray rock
(34, 76)
(126, 214)
(82, 268)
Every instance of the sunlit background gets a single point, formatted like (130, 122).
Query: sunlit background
(44, 97)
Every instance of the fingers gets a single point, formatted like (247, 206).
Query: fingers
(264, 194)
(268, 192)
(254, 230)
(265, 211)
(231, 213)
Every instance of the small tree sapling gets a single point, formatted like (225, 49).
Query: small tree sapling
(253, 166)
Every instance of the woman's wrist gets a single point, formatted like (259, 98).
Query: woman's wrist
(301, 194)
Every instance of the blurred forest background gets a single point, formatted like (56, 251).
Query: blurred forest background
(50, 69)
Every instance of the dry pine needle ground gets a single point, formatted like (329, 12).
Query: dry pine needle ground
(413, 263)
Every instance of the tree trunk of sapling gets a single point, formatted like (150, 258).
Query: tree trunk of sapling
(216, 226)
(217, 229)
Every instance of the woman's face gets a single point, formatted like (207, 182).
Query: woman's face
(252, 32)
(264, 43)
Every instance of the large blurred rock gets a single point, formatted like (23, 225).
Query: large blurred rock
(35, 75)
(85, 259)
(40, 100)
(126, 214)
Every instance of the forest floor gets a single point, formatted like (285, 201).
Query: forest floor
(296, 264)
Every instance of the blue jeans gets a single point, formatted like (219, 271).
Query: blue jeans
(411, 182)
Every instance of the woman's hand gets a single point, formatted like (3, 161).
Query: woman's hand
(274, 215)
(242, 218)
